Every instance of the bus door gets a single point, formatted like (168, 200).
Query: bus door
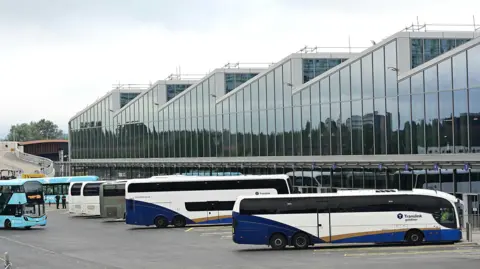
(323, 221)
(212, 213)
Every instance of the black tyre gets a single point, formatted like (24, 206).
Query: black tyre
(161, 222)
(179, 221)
(28, 227)
(414, 237)
(301, 241)
(7, 224)
(278, 241)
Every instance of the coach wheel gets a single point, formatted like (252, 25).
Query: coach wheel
(28, 227)
(278, 241)
(179, 221)
(161, 222)
(7, 224)
(414, 237)
(300, 241)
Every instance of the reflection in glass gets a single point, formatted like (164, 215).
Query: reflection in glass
(380, 121)
(306, 130)
(368, 133)
(431, 123)
(335, 87)
(335, 126)
(392, 125)
(346, 129)
(446, 122)
(279, 132)
(390, 74)
(418, 124)
(326, 128)
(316, 127)
(367, 82)
(356, 80)
(345, 84)
(288, 131)
(417, 83)
(405, 124)
(357, 127)
(297, 130)
(271, 132)
(460, 117)
(474, 120)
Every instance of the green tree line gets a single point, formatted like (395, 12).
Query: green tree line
(35, 130)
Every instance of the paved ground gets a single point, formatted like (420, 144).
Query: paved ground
(69, 242)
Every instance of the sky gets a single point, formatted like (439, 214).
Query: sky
(57, 56)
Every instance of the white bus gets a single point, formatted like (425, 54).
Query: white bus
(73, 198)
(356, 216)
(194, 200)
(89, 199)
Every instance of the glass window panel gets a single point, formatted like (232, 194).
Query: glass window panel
(405, 140)
(379, 73)
(287, 80)
(316, 124)
(194, 102)
(325, 130)
(335, 87)
(206, 98)
(182, 105)
(225, 106)
(459, 63)
(379, 120)
(418, 124)
(270, 97)
(446, 45)
(315, 93)
(305, 96)
(417, 52)
(368, 119)
(474, 120)
(279, 132)
(233, 135)
(445, 75)
(335, 126)
(254, 95)
(288, 131)
(431, 79)
(239, 97)
(345, 84)
(346, 129)
(392, 125)
(263, 133)
(271, 132)
(297, 99)
(248, 134)
(306, 129)
(279, 87)
(417, 83)
(233, 103)
(390, 74)
(432, 49)
(356, 124)
(325, 91)
(431, 123)
(404, 87)
(247, 99)
(446, 122)
(460, 118)
(474, 67)
(255, 133)
(262, 93)
(356, 80)
(367, 82)
(297, 131)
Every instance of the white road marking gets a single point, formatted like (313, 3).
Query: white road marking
(27, 245)
(217, 233)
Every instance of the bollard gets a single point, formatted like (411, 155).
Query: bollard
(468, 231)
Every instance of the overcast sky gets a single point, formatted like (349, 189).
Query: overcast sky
(58, 56)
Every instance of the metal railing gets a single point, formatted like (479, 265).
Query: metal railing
(44, 163)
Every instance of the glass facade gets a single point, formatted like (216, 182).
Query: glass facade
(233, 80)
(425, 49)
(126, 97)
(359, 109)
(174, 89)
(315, 67)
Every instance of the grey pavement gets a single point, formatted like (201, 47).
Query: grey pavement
(76, 242)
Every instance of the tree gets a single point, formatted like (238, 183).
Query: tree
(43, 129)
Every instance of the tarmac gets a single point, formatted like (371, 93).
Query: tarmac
(80, 242)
